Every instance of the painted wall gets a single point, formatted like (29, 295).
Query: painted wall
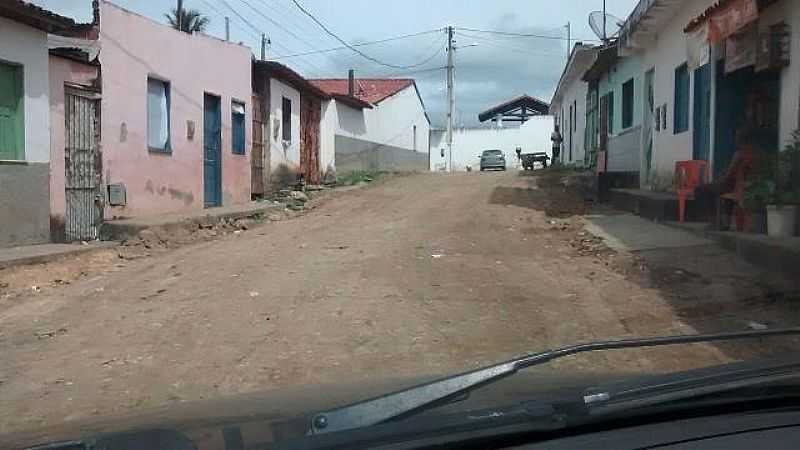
(27, 46)
(62, 70)
(133, 48)
(284, 155)
(665, 54)
(381, 138)
(468, 144)
(24, 187)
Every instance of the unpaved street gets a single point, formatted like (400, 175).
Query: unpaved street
(423, 274)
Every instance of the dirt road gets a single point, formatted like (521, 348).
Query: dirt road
(416, 275)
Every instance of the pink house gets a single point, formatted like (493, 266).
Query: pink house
(175, 112)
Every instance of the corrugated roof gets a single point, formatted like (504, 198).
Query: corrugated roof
(37, 17)
(371, 90)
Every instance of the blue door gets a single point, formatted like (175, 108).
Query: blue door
(212, 151)
(702, 113)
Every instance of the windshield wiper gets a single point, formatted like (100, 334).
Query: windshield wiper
(418, 398)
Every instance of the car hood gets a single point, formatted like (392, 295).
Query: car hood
(287, 411)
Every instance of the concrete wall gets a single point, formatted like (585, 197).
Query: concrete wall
(24, 191)
(24, 205)
(381, 138)
(468, 144)
(284, 155)
(62, 70)
(665, 54)
(134, 48)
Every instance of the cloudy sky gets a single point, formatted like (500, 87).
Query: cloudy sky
(499, 68)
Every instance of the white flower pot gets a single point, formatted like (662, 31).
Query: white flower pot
(781, 221)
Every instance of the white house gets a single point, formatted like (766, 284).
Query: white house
(373, 124)
(25, 120)
(573, 109)
(468, 143)
(708, 69)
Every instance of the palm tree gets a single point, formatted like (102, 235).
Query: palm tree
(191, 21)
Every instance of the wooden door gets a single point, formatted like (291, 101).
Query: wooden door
(702, 113)
(309, 139)
(12, 128)
(257, 187)
(212, 151)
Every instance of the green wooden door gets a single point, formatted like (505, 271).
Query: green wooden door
(12, 130)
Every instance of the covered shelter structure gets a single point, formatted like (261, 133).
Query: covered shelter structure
(518, 109)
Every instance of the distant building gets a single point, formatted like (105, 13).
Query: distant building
(385, 128)
(521, 122)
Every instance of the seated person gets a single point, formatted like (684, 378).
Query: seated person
(728, 190)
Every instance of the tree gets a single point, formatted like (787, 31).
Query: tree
(191, 21)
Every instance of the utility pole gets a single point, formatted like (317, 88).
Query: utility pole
(569, 40)
(451, 97)
(263, 46)
(227, 28)
(179, 15)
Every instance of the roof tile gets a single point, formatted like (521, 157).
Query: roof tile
(372, 90)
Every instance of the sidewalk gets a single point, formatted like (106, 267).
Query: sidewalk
(35, 254)
(780, 255)
(119, 230)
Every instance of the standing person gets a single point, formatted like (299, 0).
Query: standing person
(557, 140)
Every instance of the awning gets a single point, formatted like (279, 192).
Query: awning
(725, 18)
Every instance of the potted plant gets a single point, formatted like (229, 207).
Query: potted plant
(777, 187)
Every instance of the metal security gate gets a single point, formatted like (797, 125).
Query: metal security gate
(84, 199)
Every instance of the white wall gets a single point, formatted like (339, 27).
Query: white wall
(281, 154)
(327, 139)
(788, 11)
(533, 136)
(665, 54)
(574, 94)
(27, 46)
(390, 122)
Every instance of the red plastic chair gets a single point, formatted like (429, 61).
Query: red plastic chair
(688, 176)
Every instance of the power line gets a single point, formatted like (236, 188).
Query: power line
(343, 42)
(223, 15)
(499, 44)
(538, 36)
(277, 24)
(361, 44)
(250, 24)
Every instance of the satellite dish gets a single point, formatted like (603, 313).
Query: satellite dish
(612, 24)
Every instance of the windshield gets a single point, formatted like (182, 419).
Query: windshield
(203, 200)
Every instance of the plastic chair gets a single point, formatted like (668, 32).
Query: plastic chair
(688, 176)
